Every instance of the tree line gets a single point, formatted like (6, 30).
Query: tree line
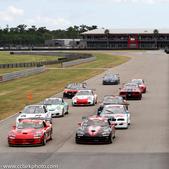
(33, 36)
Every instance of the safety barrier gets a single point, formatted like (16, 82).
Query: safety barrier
(23, 73)
(78, 61)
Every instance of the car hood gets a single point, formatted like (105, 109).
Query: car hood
(53, 107)
(83, 96)
(115, 115)
(33, 115)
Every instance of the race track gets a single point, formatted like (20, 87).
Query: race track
(145, 145)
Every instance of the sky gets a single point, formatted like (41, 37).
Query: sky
(61, 14)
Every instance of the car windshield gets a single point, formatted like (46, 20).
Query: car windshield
(33, 110)
(86, 92)
(113, 110)
(26, 125)
(113, 100)
(131, 85)
(74, 86)
(95, 122)
(110, 76)
(53, 101)
(138, 81)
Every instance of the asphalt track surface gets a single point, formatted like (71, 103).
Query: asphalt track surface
(145, 145)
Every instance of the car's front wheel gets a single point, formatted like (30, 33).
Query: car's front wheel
(110, 140)
(44, 140)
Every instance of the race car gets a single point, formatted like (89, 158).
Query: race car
(130, 91)
(166, 50)
(95, 129)
(72, 88)
(84, 97)
(141, 84)
(56, 106)
(111, 99)
(35, 112)
(30, 132)
(118, 113)
(111, 79)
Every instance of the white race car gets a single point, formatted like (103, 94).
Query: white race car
(56, 106)
(35, 112)
(84, 97)
(117, 113)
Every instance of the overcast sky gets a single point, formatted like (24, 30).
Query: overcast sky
(60, 14)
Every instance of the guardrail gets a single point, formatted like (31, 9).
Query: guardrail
(23, 73)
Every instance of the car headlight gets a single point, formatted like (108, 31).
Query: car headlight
(38, 134)
(90, 98)
(74, 99)
(58, 107)
(12, 135)
(106, 132)
(80, 132)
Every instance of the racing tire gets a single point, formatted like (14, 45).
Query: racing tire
(77, 141)
(110, 139)
(139, 98)
(10, 145)
(63, 114)
(67, 111)
(51, 135)
(44, 140)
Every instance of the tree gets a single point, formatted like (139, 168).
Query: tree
(22, 28)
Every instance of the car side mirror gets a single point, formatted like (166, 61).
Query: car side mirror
(99, 112)
(112, 124)
(14, 127)
(84, 118)
(79, 124)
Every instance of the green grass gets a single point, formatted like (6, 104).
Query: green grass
(13, 95)
(6, 57)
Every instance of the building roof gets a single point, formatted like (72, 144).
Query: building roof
(125, 31)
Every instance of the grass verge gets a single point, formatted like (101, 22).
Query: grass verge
(13, 95)
(6, 57)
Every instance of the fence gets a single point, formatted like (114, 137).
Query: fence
(23, 73)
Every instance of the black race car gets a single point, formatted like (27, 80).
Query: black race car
(110, 99)
(111, 79)
(95, 129)
(72, 88)
(167, 50)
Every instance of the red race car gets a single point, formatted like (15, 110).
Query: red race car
(30, 132)
(72, 88)
(141, 84)
(131, 91)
